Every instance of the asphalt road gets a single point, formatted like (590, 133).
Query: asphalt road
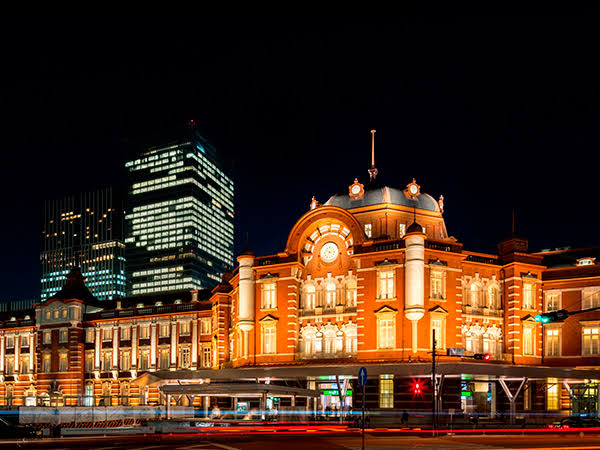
(571, 441)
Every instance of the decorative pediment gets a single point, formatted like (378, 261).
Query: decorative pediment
(269, 319)
(269, 275)
(438, 262)
(387, 262)
(386, 310)
(528, 318)
(437, 309)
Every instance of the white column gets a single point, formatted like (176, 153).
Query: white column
(414, 281)
(246, 293)
(153, 346)
(173, 343)
(115, 355)
(2, 339)
(97, 348)
(31, 351)
(195, 344)
(134, 346)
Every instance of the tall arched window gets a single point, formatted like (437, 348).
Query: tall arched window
(474, 295)
(309, 297)
(351, 294)
(330, 291)
(493, 298)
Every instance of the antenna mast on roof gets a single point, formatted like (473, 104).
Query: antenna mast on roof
(373, 169)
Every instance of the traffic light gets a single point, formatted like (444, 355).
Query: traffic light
(484, 356)
(554, 316)
(416, 388)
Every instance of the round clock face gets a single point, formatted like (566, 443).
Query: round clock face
(413, 189)
(355, 189)
(329, 252)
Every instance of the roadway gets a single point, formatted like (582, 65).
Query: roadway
(302, 441)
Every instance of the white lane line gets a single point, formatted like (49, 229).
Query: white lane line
(226, 447)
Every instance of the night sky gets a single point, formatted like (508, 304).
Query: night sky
(496, 114)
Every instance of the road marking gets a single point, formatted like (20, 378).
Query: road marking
(226, 447)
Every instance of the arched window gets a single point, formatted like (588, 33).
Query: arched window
(474, 295)
(88, 399)
(309, 297)
(351, 337)
(351, 294)
(493, 298)
(330, 289)
(329, 333)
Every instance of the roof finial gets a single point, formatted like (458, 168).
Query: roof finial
(373, 169)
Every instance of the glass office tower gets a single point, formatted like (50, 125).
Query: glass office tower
(84, 230)
(179, 222)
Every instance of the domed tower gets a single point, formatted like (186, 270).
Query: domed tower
(246, 310)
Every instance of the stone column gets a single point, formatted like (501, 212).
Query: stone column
(115, 348)
(134, 346)
(173, 344)
(246, 310)
(414, 279)
(2, 339)
(31, 351)
(97, 348)
(17, 341)
(153, 346)
(194, 325)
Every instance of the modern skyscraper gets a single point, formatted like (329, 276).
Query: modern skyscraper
(180, 218)
(86, 230)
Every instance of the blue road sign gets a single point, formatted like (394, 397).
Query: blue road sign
(362, 376)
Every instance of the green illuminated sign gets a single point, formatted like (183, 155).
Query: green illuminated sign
(335, 392)
(465, 394)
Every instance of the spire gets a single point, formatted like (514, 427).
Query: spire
(373, 169)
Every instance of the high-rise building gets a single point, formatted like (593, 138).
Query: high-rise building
(84, 230)
(179, 221)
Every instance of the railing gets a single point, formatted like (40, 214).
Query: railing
(482, 311)
(379, 247)
(483, 259)
(323, 355)
(443, 246)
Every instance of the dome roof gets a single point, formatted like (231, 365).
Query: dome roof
(385, 194)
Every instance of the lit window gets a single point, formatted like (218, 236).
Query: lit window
(269, 295)
(386, 332)
(62, 362)
(47, 337)
(386, 284)
(89, 335)
(330, 294)
(493, 297)
(24, 341)
(552, 341)
(402, 229)
(125, 360)
(553, 394)
(144, 332)
(438, 325)
(368, 230)
(386, 391)
(10, 341)
(184, 328)
(206, 357)
(552, 301)
(309, 297)
(164, 330)
(437, 284)
(351, 293)
(125, 333)
(63, 335)
(9, 364)
(106, 360)
(591, 340)
(528, 348)
(163, 358)
(528, 294)
(269, 336)
(205, 325)
(89, 362)
(585, 261)
(590, 298)
(144, 359)
(475, 293)
(46, 362)
(184, 357)
(107, 334)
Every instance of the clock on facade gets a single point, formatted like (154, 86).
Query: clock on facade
(329, 252)
(414, 189)
(355, 189)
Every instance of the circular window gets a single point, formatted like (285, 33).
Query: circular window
(329, 252)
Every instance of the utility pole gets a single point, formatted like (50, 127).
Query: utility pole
(433, 384)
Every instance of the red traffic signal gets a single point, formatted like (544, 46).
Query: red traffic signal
(484, 356)
(416, 388)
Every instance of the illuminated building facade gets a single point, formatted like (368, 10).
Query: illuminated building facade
(180, 218)
(364, 279)
(88, 226)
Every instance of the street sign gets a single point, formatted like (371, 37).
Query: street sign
(455, 352)
(362, 376)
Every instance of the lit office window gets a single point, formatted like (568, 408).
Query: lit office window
(552, 341)
(269, 295)
(385, 284)
(553, 394)
(386, 391)
(591, 341)
(62, 362)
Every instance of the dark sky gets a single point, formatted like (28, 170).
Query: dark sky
(494, 113)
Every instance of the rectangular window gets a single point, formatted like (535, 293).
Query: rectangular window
(89, 362)
(184, 357)
(368, 230)
(9, 364)
(386, 391)
(386, 332)
(269, 336)
(144, 332)
(402, 230)
(553, 394)
(47, 337)
(106, 361)
(590, 298)
(591, 341)
(437, 325)
(437, 285)
(164, 330)
(269, 297)
(46, 362)
(528, 294)
(205, 325)
(125, 333)
(24, 341)
(184, 328)
(89, 335)
(206, 357)
(386, 284)
(107, 334)
(63, 336)
(552, 301)
(527, 341)
(552, 342)
(144, 359)
(10, 341)
(163, 359)
(24, 364)
(62, 362)
(125, 360)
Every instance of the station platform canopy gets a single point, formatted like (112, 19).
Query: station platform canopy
(237, 390)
